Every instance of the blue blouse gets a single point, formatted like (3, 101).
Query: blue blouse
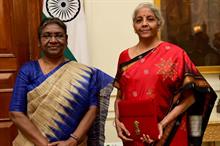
(29, 77)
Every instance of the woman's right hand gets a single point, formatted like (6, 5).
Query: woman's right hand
(123, 133)
(68, 142)
(42, 142)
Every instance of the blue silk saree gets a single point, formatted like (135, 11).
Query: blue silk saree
(57, 101)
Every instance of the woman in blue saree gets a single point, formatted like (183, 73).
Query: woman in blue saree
(55, 101)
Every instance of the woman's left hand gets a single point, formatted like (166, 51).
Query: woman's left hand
(146, 139)
(160, 128)
(69, 142)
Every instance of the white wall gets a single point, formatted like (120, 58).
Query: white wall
(109, 32)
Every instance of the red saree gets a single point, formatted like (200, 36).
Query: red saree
(164, 74)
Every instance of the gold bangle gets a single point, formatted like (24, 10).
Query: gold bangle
(74, 137)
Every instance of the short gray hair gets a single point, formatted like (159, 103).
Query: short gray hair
(155, 10)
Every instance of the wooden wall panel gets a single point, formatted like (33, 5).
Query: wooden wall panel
(7, 133)
(8, 64)
(20, 31)
(19, 20)
(5, 35)
(6, 80)
(5, 95)
(33, 23)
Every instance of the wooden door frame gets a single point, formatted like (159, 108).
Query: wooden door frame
(33, 24)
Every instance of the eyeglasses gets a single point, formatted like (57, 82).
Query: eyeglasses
(57, 36)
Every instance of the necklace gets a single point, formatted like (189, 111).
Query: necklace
(138, 51)
(47, 66)
(145, 49)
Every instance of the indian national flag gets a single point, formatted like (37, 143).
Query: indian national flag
(71, 12)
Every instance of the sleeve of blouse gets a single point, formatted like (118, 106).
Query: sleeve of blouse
(19, 95)
(99, 81)
(118, 73)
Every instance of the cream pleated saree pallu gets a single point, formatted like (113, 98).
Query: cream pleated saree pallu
(57, 105)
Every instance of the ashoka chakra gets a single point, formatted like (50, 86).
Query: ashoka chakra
(66, 10)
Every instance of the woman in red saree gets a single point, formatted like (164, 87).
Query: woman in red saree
(153, 69)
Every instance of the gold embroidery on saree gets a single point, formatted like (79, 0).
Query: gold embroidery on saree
(167, 68)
